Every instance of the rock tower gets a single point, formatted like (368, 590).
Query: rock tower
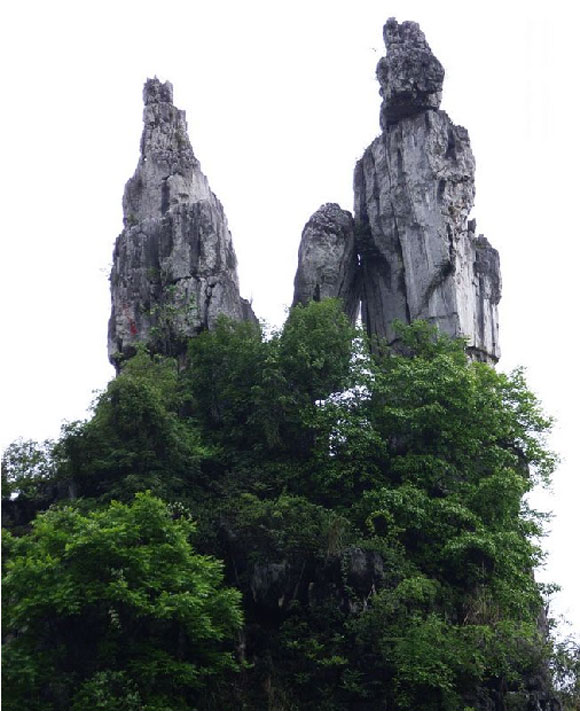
(174, 266)
(411, 252)
(327, 260)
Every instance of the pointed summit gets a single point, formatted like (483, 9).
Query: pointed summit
(167, 162)
(174, 266)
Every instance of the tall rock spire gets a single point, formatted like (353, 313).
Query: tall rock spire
(414, 189)
(174, 266)
(416, 254)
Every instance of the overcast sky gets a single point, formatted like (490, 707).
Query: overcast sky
(281, 101)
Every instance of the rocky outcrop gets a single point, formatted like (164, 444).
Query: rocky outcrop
(410, 76)
(414, 189)
(327, 260)
(413, 253)
(174, 266)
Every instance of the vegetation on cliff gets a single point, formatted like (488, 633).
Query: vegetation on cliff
(369, 513)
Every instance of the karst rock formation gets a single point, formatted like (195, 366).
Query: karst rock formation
(174, 265)
(411, 252)
(328, 261)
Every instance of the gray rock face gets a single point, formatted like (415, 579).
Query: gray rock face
(411, 77)
(327, 260)
(484, 344)
(174, 266)
(414, 188)
(413, 252)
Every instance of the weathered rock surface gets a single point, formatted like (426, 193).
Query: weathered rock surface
(413, 252)
(414, 188)
(174, 266)
(327, 260)
(411, 77)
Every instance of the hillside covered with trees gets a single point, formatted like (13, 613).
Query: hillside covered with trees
(285, 522)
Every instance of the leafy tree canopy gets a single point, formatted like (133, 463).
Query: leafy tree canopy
(113, 610)
(368, 506)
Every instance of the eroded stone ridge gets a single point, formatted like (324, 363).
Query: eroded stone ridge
(174, 266)
(327, 260)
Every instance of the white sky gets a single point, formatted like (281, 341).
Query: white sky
(281, 100)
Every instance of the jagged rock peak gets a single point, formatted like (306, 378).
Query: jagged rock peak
(174, 266)
(167, 162)
(414, 189)
(155, 92)
(413, 252)
(327, 260)
(410, 76)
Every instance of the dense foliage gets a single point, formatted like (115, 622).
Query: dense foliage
(369, 508)
(113, 610)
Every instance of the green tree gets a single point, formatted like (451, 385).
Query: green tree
(114, 610)
(370, 508)
(566, 667)
(316, 349)
(429, 456)
(26, 468)
(249, 393)
(136, 439)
